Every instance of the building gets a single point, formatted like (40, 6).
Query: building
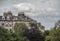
(8, 21)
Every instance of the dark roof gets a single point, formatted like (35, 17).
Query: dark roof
(17, 18)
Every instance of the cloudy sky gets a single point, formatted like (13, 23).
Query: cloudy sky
(45, 11)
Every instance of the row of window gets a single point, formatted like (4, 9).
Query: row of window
(14, 18)
(6, 24)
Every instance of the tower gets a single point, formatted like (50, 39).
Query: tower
(7, 15)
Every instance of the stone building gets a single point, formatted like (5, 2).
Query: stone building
(8, 21)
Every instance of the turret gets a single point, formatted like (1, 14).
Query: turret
(7, 15)
(21, 14)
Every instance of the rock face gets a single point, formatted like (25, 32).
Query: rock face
(8, 20)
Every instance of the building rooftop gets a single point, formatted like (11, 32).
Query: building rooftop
(8, 16)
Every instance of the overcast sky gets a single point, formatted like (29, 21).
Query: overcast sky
(45, 11)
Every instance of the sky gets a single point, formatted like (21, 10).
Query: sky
(45, 11)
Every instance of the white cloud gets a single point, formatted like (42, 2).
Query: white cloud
(25, 7)
(28, 8)
(34, 11)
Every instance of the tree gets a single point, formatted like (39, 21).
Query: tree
(26, 34)
(46, 33)
(48, 38)
(6, 35)
(34, 35)
(19, 29)
(57, 24)
(55, 33)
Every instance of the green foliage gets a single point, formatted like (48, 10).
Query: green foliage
(55, 33)
(19, 30)
(20, 27)
(22, 33)
(34, 35)
(46, 33)
(26, 34)
(48, 38)
(6, 35)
